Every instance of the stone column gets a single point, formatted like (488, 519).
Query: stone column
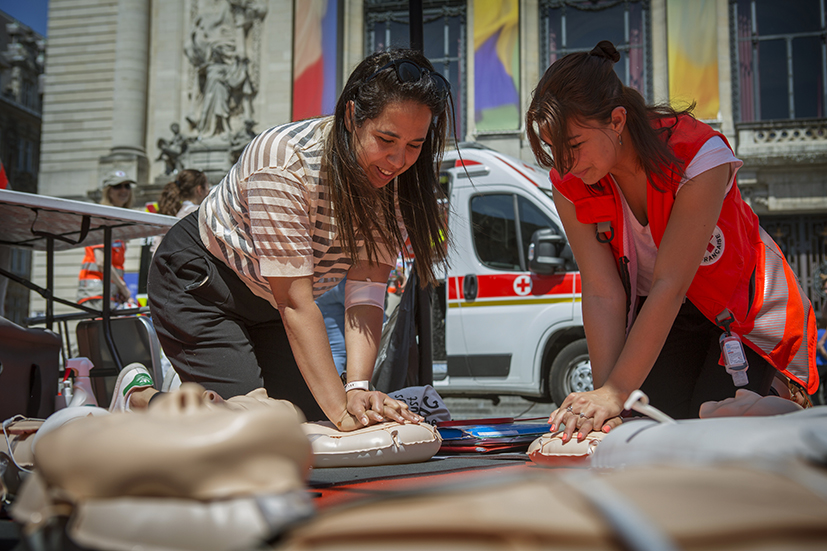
(130, 92)
(725, 72)
(530, 70)
(660, 52)
(353, 43)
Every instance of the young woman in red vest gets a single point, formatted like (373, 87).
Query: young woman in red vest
(671, 257)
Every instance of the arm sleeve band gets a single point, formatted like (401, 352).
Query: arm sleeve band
(364, 292)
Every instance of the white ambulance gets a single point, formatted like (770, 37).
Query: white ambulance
(507, 320)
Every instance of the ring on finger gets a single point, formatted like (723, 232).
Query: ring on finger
(569, 409)
(582, 415)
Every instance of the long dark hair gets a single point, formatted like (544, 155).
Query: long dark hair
(364, 211)
(183, 188)
(584, 86)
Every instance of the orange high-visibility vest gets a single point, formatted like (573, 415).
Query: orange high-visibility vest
(90, 279)
(744, 272)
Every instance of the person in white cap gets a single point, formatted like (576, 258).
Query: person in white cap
(117, 192)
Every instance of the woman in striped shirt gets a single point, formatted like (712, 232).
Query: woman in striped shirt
(232, 287)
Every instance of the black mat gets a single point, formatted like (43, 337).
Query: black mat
(324, 478)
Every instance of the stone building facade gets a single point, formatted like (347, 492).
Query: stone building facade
(150, 86)
(21, 66)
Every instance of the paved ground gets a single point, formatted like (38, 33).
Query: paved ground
(509, 406)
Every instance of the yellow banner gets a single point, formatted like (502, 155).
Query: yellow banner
(693, 56)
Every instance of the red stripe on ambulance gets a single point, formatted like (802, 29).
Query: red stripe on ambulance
(517, 285)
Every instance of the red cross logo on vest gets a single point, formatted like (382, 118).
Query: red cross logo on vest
(715, 248)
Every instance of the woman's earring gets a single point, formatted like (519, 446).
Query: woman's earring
(619, 139)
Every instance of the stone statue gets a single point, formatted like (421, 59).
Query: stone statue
(245, 13)
(23, 60)
(171, 150)
(241, 138)
(218, 51)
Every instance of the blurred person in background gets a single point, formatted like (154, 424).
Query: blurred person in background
(117, 192)
(182, 196)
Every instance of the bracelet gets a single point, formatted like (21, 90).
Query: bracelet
(361, 385)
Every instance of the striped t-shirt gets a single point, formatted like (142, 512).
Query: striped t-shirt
(271, 215)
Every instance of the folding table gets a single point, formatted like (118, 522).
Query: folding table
(43, 223)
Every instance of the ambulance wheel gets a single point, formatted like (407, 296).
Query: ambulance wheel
(571, 371)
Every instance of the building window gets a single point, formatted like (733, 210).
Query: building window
(568, 26)
(444, 25)
(21, 155)
(29, 97)
(780, 59)
(25, 156)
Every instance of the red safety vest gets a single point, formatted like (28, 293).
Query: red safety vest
(90, 279)
(743, 272)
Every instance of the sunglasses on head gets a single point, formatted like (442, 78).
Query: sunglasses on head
(410, 71)
(125, 185)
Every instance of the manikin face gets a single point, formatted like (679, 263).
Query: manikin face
(390, 144)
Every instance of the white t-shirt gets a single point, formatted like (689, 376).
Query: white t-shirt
(712, 154)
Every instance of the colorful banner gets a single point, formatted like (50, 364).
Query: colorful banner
(315, 58)
(693, 56)
(496, 65)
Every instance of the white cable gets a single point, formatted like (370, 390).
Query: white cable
(6, 425)
(639, 402)
(631, 525)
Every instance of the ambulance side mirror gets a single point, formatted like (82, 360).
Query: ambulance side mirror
(543, 257)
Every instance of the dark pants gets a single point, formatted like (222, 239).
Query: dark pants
(687, 374)
(214, 330)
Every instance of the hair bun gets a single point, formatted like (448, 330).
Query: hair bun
(606, 50)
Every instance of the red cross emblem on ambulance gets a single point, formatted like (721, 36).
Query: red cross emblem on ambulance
(522, 285)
